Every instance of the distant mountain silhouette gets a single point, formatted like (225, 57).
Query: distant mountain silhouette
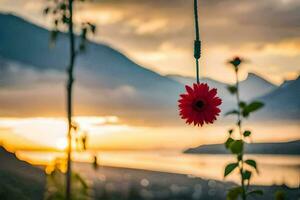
(107, 82)
(20, 180)
(32, 80)
(283, 102)
(253, 86)
(186, 80)
(290, 148)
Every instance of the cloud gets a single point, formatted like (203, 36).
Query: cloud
(140, 27)
(19, 76)
(105, 17)
(148, 27)
(288, 47)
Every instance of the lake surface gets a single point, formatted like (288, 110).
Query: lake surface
(273, 169)
(45, 135)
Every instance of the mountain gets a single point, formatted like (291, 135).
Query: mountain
(32, 81)
(186, 80)
(289, 148)
(253, 86)
(286, 82)
(20, 180)
(283, 102)
(107, 82)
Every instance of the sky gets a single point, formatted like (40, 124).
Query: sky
(159, 35)
(110, 133)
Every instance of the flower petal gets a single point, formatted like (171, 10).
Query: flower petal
(191, 113)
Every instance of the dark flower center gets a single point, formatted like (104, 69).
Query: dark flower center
(199, 104)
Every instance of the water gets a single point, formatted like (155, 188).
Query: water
(273, 169)
(45, 135)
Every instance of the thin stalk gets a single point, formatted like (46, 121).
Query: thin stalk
(196, 20)
(238, 102)
(242, 181)
(197, 44)
(239, 123)
(69, 100)
(197, 71)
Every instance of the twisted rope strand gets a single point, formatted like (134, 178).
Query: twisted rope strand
(197, 42)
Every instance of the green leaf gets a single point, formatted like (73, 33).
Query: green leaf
(245, 114)
(254, 106)
(236, 146)
(229, 168)
(92, 27)
(256, 192)
(232, 112)
(232, 89)
(242, 104)
(247, 133)
(230, 131)
(247, 175)
(228, 142)
(280, 195)
(63, 6)
(65, 19)
(251, 163)
(234, 193)
(46, 10)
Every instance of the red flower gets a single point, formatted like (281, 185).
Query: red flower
(199, 105)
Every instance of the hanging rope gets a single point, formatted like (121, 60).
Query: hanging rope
(197, 43)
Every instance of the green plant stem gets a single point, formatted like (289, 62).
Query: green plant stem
(239, 123)
(238, 104)
(244, 197)
(69, 100)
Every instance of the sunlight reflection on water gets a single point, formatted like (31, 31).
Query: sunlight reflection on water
(44, 135)
(273, 169)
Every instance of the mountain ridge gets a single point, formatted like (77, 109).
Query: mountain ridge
(283, 102)
(100, 69)
(253, 82)
(284, 148)
(107, 82)
(18, 179)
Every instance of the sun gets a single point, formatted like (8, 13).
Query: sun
(62, 144)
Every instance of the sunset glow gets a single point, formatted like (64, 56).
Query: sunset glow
(108, 133)
(149, 99)
(62, 144)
